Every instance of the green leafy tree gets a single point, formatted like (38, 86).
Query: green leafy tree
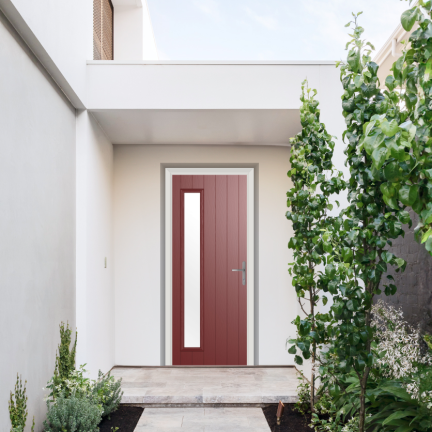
(309, 199)
(409, 165)
(359, 258)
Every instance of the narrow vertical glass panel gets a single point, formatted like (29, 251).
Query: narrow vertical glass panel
(192, 270)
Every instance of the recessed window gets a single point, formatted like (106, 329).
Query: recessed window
(103, 30)
(192, 270)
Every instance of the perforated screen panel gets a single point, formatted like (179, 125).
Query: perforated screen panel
(103, 30)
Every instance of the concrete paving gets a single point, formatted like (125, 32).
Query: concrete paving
(202, 420)
(207, 386)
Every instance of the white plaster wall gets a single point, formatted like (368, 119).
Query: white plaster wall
(137, 245)
(133, 32)
(128, 32)
(211, 85)
(65, 29)
(95, 289)
(37, 223)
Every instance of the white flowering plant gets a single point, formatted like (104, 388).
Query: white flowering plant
(404, 354)
(400, 395)
(76, 384)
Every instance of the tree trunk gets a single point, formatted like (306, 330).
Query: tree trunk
(362, 413)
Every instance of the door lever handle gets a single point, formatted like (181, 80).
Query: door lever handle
(243, 270)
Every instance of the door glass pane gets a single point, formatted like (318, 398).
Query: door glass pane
(192, 269)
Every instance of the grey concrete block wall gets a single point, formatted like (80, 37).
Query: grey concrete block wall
(414, 293)
(37, 222)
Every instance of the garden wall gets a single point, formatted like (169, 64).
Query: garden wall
(414, 292)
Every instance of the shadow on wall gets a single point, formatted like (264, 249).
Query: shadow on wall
(414, 286)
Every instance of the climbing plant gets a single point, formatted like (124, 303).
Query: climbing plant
(359, 257)
(314, 180)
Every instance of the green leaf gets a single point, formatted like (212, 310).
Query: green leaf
(324, 300)
(330, 271)
(428, 71)
(373, 141)
(404, 217)
(408, 18)
(292, 350)
(347, 255)
(392, 171)
(428, 245)
(426, 235)
(398, 415)
(354, 60)
(404, 428)
(352, 305)
(298, 360)
(354, 339)
(387, 256)
(379, 156)
(304, 328)
(389, 128)
(408, 194)
(389, 82)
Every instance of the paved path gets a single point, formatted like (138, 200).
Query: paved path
(213, 385)
(202, 420)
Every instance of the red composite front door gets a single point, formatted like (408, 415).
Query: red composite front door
(209, 242)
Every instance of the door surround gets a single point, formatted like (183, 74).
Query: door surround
(249, 172)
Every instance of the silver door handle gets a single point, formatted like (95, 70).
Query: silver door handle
(243, 269)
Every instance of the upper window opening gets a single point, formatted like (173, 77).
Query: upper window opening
(103, 30)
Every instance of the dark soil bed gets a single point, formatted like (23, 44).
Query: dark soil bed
(292, 421)
(125, 418)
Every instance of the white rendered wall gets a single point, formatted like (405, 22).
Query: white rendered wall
(95, 289)
(133, 32)
(65, 30)
(211, 85)
(137, 245)
(37, 223)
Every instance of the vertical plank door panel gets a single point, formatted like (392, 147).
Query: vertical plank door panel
(198, 356)
(210, 270)
(223, 248)
(221, 270)
(234, 278)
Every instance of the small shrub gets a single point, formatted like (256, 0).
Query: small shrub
(108, 392)
(72, 414)
(326, 417)
(65, 361)
(303, 391)
(18, 408)
(75, 385)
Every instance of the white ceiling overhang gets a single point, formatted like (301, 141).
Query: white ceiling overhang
(251, 103)
(250, 127)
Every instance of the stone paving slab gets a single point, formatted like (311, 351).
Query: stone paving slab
(202, 420)
(202, 385)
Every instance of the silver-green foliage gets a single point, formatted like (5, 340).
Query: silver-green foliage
(72, 414)
(108, 392)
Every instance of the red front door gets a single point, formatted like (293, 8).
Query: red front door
(209, 242)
